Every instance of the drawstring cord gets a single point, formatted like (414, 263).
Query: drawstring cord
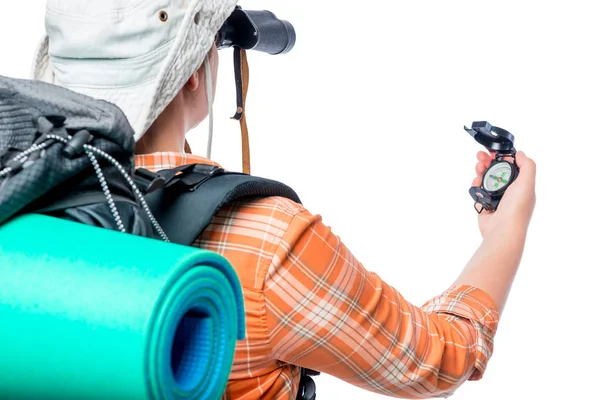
(91, 153)
(210, 100)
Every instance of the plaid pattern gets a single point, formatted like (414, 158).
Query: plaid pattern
(309, 302)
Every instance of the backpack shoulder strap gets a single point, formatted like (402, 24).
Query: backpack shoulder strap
(188, 197)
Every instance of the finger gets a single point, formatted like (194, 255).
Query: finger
(521, 158)
(485, 159)
(527, 167)
(483, 156)
(480, 168)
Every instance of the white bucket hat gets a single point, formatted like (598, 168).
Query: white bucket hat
(136, 54)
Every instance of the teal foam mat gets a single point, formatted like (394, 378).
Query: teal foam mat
(88, 313)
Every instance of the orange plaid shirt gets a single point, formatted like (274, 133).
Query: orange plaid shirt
(309, 302)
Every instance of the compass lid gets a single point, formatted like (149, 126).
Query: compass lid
(493, 138)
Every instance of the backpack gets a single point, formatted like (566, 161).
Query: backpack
(65, 155)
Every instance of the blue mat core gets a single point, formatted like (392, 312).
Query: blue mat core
(190, 348)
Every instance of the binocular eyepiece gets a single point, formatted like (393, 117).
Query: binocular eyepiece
(256, 30)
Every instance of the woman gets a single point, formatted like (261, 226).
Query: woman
(309, 302)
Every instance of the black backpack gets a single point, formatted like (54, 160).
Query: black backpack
(69, 156)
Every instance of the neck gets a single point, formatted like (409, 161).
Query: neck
(167, 133)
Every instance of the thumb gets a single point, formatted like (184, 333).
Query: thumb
(527, 167)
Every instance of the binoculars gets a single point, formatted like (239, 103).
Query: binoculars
(256, 30)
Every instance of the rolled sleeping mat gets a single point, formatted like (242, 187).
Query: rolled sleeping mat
(90, 313)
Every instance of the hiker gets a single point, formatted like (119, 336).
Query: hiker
(309, 302)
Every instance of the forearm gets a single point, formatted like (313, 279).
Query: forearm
(494, 265)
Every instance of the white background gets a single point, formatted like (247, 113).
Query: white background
(364, 118)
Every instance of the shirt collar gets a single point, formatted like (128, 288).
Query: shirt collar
(165, 160)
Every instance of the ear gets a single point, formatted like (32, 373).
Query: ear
(194, 82)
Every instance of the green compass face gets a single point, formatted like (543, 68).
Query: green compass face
(497, 177)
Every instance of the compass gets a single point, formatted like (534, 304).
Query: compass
(501, 172)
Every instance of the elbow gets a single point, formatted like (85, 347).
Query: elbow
(457, 354)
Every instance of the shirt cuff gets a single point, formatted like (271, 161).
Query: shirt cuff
(480, 309)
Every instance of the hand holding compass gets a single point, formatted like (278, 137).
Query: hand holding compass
(501, 173)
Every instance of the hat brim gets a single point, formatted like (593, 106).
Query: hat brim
(134, 101)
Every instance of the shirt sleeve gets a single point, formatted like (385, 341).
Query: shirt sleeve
(326, 312)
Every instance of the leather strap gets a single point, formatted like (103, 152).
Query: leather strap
(242, 78)
(187, 148)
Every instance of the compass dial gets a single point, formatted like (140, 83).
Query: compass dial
(497, 177)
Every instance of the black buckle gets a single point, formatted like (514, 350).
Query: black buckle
(148, 181)
(307, 389)
(207, 170)
(187, 177)
(194, 175)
